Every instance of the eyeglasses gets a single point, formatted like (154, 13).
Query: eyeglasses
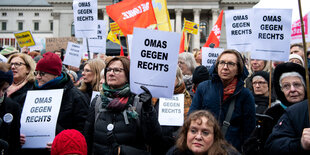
(17, 64)
(181, 62)
(115, 70)
(87, 70)
(259, 83)
(229, 64)
(287, 86)
(39, 73)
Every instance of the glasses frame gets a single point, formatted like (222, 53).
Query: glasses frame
(115, 70)
(229, 64)
(39, 73)
(17, 64)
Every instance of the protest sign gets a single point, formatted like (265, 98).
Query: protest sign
(73, 54)
(272, 34)
(53, 44)
(296, 30)
(98, 44)
(115, 29)
(85, 18)
(94, 95)
(239, 29)
(40, 44)
(209, 56)
(171, 111)
(129, 40)
(155, 54)
(24, 38)
(191, 27)
(39, 117)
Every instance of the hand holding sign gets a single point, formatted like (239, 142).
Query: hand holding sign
(146, 98)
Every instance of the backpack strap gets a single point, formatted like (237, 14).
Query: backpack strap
(226, 122)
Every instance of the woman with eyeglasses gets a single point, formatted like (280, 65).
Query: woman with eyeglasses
(23, 67)
(225, 88)
(91, 77)
(290, 86)
(119, 121)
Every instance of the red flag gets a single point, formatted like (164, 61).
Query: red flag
(132, 13)
(215, 34)
(122, 51)
(182, 43)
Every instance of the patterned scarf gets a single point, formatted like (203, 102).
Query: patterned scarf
(116, 99)
(230, 89)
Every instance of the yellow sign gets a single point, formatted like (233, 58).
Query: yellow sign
(24, 39)
(115, 29)
(190, 27)
(162, 15)
(113, 38)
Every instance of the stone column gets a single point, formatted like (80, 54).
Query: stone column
(106, 17)
(56, 26)
(215, 15)
(178, 20)
(196, 37)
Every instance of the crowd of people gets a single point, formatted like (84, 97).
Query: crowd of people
(238, 106)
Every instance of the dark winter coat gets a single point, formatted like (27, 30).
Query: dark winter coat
(20, 95)
(130, 137)
(261, 103)
(209, 96)
(286, 135)
(9, 131)
(74, 107)
(175, 151)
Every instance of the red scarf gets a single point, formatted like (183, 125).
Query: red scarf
(230, 89)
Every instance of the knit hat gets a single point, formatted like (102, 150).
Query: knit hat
(296, 56)
(8, 51)
(284, 68)
(200, 74)
(69, 141)
(263, 74)
(50, 63)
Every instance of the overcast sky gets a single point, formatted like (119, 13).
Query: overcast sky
(293, 4)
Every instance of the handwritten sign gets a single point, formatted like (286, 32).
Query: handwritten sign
(171, 111)
(73, 55)
(53, 44)
(155, 54)
(39, 117)
(24, 38)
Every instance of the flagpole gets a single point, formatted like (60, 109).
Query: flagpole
(120, 44)
(189, 39)
(305, 55)
(270, 88)
(88, 52)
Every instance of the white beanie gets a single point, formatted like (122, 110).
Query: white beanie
(296, 56)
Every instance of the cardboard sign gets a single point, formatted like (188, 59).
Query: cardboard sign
(85, 18)
(115, 29)
(296, 30)
(171, 111)
(155, 54)
(73, 55)
(39, 117)
(239, 29)
(53, 44)
(98, 44)
(191, 27)
(272, 35)
(209, 56)
(24, 38)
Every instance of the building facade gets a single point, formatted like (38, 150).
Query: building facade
(54, 18)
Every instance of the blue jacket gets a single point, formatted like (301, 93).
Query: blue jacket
(209, 96)
(286, 135)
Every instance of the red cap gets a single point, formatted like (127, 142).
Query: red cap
(50, 63)
(69, 141)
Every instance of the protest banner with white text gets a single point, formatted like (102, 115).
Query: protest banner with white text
(97, 44)
(153, 61)
(209, 56)
(39, 117)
